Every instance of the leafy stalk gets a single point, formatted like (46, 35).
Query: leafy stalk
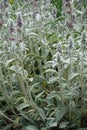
(70, 72)
(83, 45)
(59, 70)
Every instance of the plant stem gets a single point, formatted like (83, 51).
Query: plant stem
(3, 115)
(82, 80)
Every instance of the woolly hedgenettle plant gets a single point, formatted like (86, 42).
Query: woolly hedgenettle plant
(41, 86)
(70, 49)
(69, 13)
(83, 87)
(59, 53)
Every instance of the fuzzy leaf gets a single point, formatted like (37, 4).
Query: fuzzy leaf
(22, 106)
(63, 124)
(51, 122)
(73, 76)
(60, 114)
(53, 80)
(43, 128)
(51, 71)
(38, 96)
(41, 113)
(52, 95)
(33, 86)
(31, 127)
(9, 61)
(19, 70)
(16, 69)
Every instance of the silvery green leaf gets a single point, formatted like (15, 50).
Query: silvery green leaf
(52, 95)
(60, 113)
(53, 80)
(51, 122)
(22, 106)
(31, 127)
(38, 17)
(16, 69)
(38, 96)
(73, 76)
(63, 124)
(9, 61)
(43, 128)
(33, 86)
(41, 113)
(51, 71)
(22, 46)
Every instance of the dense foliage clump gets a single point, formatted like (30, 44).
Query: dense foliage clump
(43, 65)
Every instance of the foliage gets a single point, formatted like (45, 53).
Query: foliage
(58, 5)
(43, 65)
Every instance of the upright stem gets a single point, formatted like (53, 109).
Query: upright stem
(83, 45)
(70, 71)
(82, 80)
(60, 78)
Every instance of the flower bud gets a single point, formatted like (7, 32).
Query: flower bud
(6, 13)
(1, 23)
(54, 12)
(58, 57)
(83, 40)
(11, 28)
(59, 52)
(69, 24)
(19, 21)
(5, 3)
(59, 49)
(70, 41)
(1, 5)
